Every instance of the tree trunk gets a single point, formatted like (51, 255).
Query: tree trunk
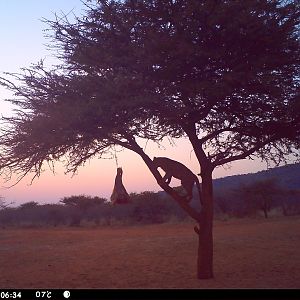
(265, 212)
(205, 234)
(284, 209)
(205, 219)
(265, 208)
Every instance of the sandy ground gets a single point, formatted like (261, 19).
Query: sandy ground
(248, 254)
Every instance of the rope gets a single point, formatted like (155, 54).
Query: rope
(116, 158)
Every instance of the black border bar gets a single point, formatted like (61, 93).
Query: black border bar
(149, 294)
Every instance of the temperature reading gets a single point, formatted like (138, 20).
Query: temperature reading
(43, 294)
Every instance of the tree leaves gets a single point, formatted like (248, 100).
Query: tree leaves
(225, 74)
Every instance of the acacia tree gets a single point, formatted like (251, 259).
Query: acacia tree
(3, 203)
(224, 74)
(260, 194)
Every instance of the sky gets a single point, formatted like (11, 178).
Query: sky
(23, 42)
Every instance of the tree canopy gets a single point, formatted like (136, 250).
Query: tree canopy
(151, 69)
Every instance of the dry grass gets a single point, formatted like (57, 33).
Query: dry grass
(248, 254)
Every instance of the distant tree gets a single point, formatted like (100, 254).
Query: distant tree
(80, 205)
(260, 194)
(3, 204)
(54, 214)
(223, 204)
(290, 202)
(82, 202)
(28, 205)
(149, 207)
(224, 74)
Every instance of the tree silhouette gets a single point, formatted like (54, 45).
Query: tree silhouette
(260, 194)
(224, 74)
(3, 203)
(29, 205)
(83, 202)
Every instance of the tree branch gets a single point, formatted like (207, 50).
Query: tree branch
(243, 155)
(180, 200)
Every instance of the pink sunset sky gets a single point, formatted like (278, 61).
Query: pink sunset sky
(22, 43)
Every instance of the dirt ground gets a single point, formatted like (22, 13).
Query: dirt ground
(248, 254)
